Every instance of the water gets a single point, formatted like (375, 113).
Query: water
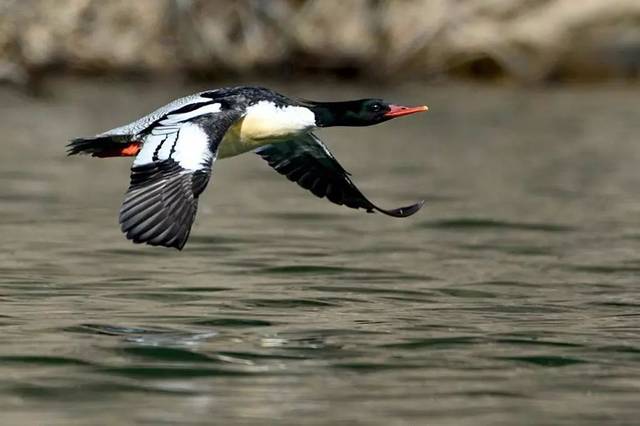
(511, 298)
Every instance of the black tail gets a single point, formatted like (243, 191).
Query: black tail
(99, 146)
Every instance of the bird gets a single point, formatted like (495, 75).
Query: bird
(176, 146)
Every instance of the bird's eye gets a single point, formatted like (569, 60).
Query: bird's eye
(375, 107)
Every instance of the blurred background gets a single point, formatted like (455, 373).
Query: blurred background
(387, 40)
(511, 298)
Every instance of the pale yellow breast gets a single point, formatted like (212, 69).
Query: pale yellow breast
(264, 124)
(240, 139)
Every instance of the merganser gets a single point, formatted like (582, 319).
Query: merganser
(176, 145)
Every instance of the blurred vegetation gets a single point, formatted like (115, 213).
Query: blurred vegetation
(519, 40)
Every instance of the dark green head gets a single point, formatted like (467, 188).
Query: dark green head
(362, 112)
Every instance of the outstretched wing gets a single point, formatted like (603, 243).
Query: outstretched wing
(112, 142)
(308, 162)
(169, 173)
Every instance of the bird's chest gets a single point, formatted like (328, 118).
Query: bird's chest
(263, 124)
(239, 139)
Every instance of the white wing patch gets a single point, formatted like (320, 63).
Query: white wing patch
(167, 145)
(187, 144)
(175, 137)
(192, 150)
(149, 147)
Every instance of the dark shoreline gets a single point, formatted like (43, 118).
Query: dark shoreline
(517, 42)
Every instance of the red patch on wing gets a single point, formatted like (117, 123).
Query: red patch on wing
(130, 150)
(120, 151)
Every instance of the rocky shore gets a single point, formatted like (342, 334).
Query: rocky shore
(520, 40)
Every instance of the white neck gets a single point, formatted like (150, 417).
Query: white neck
(266, 120)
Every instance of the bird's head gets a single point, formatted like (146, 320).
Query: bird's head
(362, 112)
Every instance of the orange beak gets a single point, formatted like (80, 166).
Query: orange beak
(399, 111)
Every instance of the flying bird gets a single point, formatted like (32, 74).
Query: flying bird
(176, 145)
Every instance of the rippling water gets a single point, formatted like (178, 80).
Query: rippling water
(511, 298)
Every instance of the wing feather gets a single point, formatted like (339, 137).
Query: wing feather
(308, 162)
(169, 174)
